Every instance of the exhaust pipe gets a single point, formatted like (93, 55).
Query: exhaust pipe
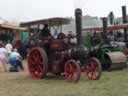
(124, 17)
(78, 19)
(105, 25)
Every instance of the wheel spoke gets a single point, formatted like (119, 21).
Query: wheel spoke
(71, 68)
(40, 68)
(67, 70)
(74, 76)
(69, 77)
(94, 75)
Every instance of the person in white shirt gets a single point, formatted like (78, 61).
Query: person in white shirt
(3, 58)
(8, 47)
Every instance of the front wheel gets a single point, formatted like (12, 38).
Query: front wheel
(93, 69)
(72, 71)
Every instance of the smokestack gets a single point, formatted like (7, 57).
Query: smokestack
(124, 17)
(105, 24)
(78, 17)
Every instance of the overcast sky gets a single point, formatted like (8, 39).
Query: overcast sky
(26, 10)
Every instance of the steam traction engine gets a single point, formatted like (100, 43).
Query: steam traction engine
(60, 57)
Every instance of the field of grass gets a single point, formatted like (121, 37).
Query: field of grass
(113, 83)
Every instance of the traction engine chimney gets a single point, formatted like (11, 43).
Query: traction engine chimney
(105, 24)
(124, 17)
(78, 18)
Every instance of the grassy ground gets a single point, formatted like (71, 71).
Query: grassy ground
(20, 84)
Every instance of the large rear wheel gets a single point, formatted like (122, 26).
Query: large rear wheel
(38, 63)
(72, 71)
(93, 69)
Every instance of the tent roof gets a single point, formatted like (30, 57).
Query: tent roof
(50, 22)
(7, 26)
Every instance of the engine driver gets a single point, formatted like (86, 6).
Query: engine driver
(45, 32)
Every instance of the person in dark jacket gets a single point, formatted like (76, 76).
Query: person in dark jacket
(45, 32)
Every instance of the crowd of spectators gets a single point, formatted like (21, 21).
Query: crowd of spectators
(10, 55)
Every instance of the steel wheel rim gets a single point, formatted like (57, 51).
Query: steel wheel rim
(36, 63)
(71, 72)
